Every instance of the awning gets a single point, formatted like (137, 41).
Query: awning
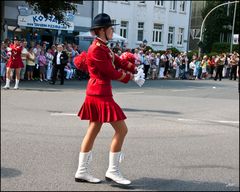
(87, 36)
(14, 28)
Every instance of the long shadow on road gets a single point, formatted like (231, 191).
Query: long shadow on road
(151, 111)
(159, 184)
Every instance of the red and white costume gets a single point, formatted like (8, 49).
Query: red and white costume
(103, 66)
(15, 60)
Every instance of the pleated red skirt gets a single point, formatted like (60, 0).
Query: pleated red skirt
(101, 109)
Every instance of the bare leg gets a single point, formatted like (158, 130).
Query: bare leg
(92, 132)
(8, 73)
(120, 133)
(18, 73)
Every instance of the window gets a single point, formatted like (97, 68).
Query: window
(173, 5)
(170, 35)
(140, 31)
(123, 29)
(113, 21)
(157, 33)
(180, 36)
(159, 3)
(182, 6)
(143, 2)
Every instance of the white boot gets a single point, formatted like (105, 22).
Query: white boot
(16, 84)
(7, 86)
(82, 174)
(113, 172)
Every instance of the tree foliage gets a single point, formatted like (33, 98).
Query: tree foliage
(53, 7)
(216, 23)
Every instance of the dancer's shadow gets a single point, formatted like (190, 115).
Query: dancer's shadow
(152, 111)
(9, 172)
(157, 184)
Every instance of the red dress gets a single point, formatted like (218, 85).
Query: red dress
(102, 65)
(15, 61)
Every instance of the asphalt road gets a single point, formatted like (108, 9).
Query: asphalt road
(183, 136)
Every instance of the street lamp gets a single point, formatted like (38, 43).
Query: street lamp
(199, 50)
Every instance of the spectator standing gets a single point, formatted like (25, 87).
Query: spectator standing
(220, 60)
(163, 61)
(37, 50)
(204, 64)
(69, 71)
(42, 61)
(49, 58)
(234, 63)
(24, 59)
(31, 58)
(153, 66)
(211, 64)
(198, 67)
(146, 64)
(60, 60)
(4, 59)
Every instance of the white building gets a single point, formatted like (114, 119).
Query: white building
(163, 24)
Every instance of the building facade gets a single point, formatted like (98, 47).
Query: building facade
(161, 24)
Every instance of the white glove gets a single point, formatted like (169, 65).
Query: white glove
(140, 81)
(140, 72)
(139, 77)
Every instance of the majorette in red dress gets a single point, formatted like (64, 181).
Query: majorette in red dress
(103, 66)
(15, 60)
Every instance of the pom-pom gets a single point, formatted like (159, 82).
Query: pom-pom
(128, 56)
(80, 61)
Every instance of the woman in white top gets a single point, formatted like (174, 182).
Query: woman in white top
(24, 60)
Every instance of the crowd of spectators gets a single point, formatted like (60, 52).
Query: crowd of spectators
(179, 66)
(38, 59)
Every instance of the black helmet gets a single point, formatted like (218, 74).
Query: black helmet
(101, 20)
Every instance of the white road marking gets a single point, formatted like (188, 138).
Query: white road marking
(178, 90)
(126, 93)
(233, 122)
(186, 120)
(215, 121)
(63, 114)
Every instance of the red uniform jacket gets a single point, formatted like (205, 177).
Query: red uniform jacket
(103, 66)
(15, 61)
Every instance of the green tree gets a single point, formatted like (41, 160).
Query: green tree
(217, 22)
(53, 7)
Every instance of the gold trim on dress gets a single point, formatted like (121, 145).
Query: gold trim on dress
(129, 65)
(122, 77)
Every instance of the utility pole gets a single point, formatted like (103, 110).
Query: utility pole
(199, 50)
(234, 15)
(102, 6)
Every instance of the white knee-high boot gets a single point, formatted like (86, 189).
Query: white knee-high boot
(113, 173)
(16, 84)
(82, 174)
(7, 86)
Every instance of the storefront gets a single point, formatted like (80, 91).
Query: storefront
(37, 28)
